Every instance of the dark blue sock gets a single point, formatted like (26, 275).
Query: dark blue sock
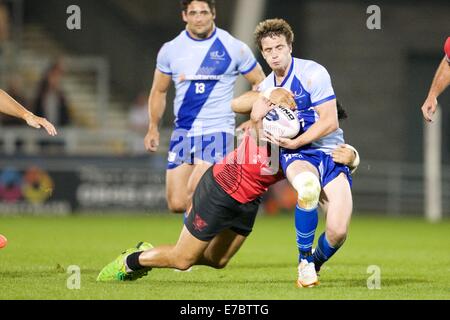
(323, 252)
(305, 225)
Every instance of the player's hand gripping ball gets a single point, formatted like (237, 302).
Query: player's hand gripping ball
(281, 123)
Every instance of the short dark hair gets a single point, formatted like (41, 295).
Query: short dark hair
(185, 4)
(271, 28)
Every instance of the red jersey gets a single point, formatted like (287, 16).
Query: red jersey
(447, 49)
(245, 173)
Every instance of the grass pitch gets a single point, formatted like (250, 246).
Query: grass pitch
(413, 258)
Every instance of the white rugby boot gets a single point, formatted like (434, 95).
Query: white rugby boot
(307, 275)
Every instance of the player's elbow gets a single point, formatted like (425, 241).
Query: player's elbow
(332, 125)
(239, 105)
(236, 106)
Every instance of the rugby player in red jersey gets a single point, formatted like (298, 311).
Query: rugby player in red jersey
(222, 214)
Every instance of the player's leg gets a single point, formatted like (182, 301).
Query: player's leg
(176, 187)
(221, 249)
(136, 262)
(338, 197)
(304, 177)
(214, 230)
(179, 169)
(198, 171)
(224, 246)
(181, 256)
(323, 203)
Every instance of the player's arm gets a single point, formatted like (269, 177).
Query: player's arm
(11, 107)
(440, 82)
(256, 76)
(347, 155)
(243, 103)
(277, 96)
(326, 124)
(156, 108)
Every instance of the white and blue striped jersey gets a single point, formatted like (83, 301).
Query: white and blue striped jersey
(204, 72)
(311, 85)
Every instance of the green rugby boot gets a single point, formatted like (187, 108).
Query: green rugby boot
(116, 270)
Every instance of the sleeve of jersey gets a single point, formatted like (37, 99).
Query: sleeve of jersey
(322, 90)
(162, 61)
(447, 49)
(246, 59)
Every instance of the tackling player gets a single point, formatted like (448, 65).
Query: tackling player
(440, 82)
(223, 212)
(203, 62)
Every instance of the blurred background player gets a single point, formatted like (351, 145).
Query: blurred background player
(203, 62)
(225, 205)
(51, 100)
(440, 82)
(306, 160)
(138, 121)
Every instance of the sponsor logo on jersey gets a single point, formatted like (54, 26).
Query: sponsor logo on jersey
(203, 77)
(299, 95)
(290, 156)
(217, 55)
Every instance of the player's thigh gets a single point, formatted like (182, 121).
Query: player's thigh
(223, 247)
(299, 166)
(176, 182)
(338, 195)
(197, 173)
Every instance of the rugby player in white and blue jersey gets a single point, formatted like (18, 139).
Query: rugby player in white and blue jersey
(307, 159)
(204, 62)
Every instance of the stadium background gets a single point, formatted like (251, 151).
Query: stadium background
(96, 167)
(97, 163)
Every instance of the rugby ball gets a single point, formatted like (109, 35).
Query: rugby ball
(281, 123)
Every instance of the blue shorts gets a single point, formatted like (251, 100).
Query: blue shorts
(211, 148)
(327, 168)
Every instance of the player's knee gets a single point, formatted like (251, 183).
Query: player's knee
(308, 188)
(184, 263)
(176, 205)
